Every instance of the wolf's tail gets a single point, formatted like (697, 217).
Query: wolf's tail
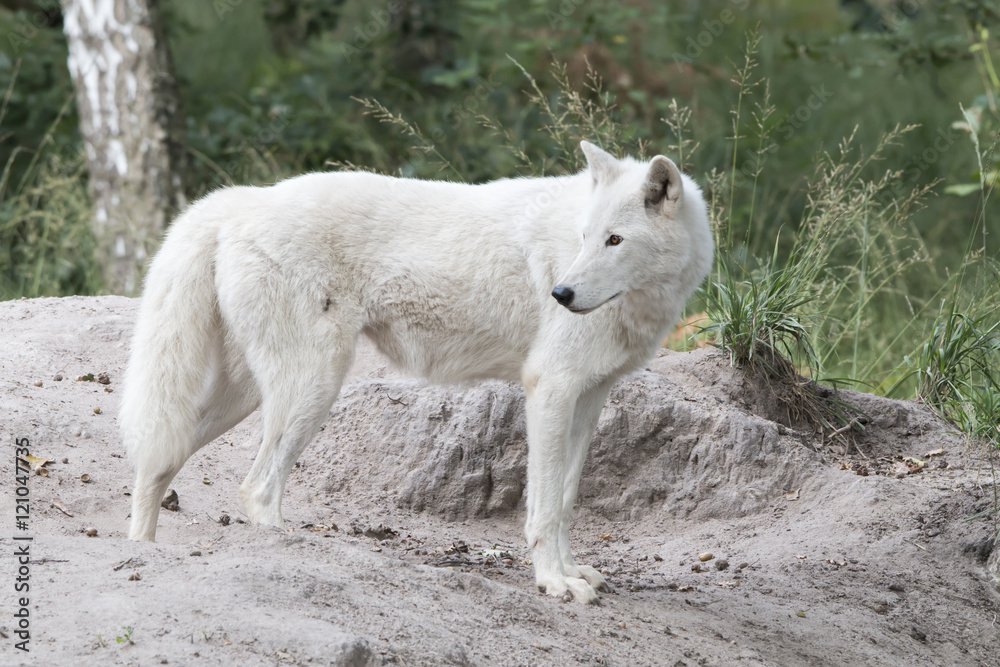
(177, 333)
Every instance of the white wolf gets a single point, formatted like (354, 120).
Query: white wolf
(258, 295)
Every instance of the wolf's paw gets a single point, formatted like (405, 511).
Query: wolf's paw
(259, 511)
(593, 577)
(568, 588)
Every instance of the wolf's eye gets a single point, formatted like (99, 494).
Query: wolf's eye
(614, 239)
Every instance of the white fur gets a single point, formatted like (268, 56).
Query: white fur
(258, 295)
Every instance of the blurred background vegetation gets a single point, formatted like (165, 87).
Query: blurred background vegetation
(754, 99)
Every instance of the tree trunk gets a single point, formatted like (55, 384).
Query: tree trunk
(132, 126)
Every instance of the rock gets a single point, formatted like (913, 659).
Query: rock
(705, 557)
(91, 532)
(721, 564)
(993, 568)
(171, 501)
(980, 550)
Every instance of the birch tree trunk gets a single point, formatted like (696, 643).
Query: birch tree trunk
(132, 127)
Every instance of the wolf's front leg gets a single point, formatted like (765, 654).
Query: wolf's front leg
(585, 415)
(549, 416)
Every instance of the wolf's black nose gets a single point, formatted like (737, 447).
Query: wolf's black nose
(562, 294)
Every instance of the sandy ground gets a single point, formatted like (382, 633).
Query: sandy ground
(846, 570)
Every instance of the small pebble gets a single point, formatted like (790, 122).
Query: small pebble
(696, 567)
(196, 552)
(621, 624)
(65, 460)
(744, 565)
(97, 411)
(657, 557)
(707, 556)
(38, 383)
(898, 588)
(58, 377)
(91, 532)
(933, 532)
(721, 564)
(85, 478)
(918, 634)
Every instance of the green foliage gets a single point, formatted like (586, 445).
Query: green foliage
(126, 636)
(34, 58)
(760, 319)
(958, 371)
(46, 246)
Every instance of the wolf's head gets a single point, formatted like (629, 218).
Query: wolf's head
(641, 224)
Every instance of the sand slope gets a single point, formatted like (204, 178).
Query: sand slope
(404, 527)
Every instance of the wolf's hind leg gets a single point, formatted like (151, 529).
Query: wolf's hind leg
(299, 380)
(227, 402)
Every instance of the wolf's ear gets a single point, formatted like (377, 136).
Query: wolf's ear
(602, 165)
(663, 182)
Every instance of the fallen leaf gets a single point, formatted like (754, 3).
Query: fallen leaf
(725, 583)
(801, 556)
(792, 495)
(36, 462)
(838, 563)
(59, 506)
(604, 536)
(913, 464)
(934, 452)
(800, 614)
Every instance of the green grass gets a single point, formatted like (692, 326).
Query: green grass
(46, 245)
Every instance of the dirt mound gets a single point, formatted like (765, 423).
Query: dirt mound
(461, 452)
(404, 543)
